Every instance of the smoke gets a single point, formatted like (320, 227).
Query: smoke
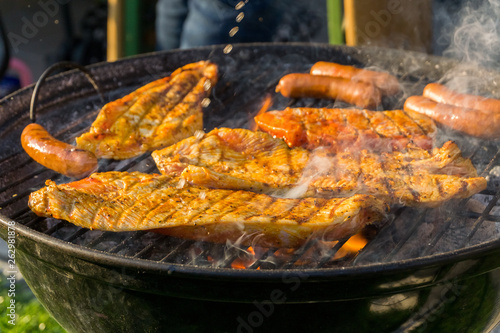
(319, 164)
(471, 30)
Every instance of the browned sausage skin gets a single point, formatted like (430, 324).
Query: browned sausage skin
(441, 94)
(473, 122)
(57, 155)
(297, 85)
(387, 83)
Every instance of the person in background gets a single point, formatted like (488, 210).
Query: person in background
(192, 23)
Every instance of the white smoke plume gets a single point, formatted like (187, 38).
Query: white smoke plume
(476, 38)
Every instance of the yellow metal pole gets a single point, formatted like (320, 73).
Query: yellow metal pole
(115, 30)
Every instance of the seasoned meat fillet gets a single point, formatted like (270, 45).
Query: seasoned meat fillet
(120, 201)
(341, 130)
(255, 161)
(154, 116)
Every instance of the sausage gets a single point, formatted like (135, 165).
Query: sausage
(57, 155)
(478, 123)
(362, 94)
(441, 94)
(387, 83)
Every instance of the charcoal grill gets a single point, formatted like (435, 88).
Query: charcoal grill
(425, 270)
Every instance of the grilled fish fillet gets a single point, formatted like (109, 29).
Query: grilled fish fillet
(121, 201)
(341, 130)
(255, 161)
(154, 116)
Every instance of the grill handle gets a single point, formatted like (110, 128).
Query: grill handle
(50, 70)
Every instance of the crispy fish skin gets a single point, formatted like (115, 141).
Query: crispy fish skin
(255, 161)
(154, 116)
(121, 201)
(341, 130)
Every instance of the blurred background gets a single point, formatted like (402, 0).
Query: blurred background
(40, 33)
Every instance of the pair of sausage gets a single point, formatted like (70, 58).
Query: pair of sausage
(470, 114)
(57, 155)
(385, 82)
(363, 88)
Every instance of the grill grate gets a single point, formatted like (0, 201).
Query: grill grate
(442, 230)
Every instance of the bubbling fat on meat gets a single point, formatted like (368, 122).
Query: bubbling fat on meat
(126, 201)
(154, 116)
(339, 130)
(256, 161)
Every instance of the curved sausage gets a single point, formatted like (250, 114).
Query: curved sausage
(387, 83)
(57, 155)
(441, 94)
(473, 122)
(362, 94)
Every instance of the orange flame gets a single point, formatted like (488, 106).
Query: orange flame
(353, 245)
(265, 106)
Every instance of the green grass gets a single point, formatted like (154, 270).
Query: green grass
(30, 315)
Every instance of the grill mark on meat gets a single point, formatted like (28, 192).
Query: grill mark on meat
(129, 121)
(303, 210)
(388, 181)
(348, 133)
(365, 114)
(403, 124)
(422, 121)
(175, 93)
(400, 138)
(99, 209)
(272, 201)
(199, 206)
(414, 121)
(138, 208)
(440, 188)
(227, 205)
(109, 206)
(161, 214)
(335, 207)
(380, 124)
(274, 212)
(255, 206)
(372, 124)
(408, 170)
(370, 174)
(353, 129)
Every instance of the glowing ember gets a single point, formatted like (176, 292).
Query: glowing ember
(246, 260)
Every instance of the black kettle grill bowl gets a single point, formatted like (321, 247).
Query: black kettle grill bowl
(426, 271)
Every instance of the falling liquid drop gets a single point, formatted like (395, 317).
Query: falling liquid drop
(233, 31)
(205, 102)
(228, 48)
(239, 5)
